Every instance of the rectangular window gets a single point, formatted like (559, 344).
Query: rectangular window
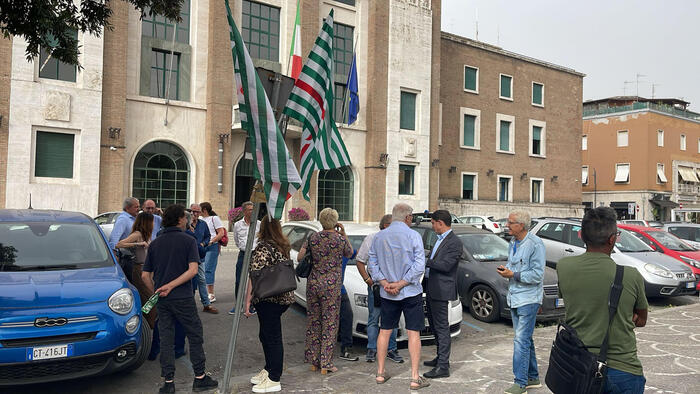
(538, 94)
(504, 188)
(505, 133)
(348, 2)
(261, 30)
(159, 27)
(406, 177)
(408, 111)
(470, 130)
(342, 60)
(622, 138)
(163, 74)
(536, 190)
(584, 175)
(683, 142)
(622, 173)
(471, 79)
(506, 91)
(340, 107)
(584, 142)
(504, 136)
(660, 173)
(538, 138)
(51, 68)
(469, 186)
(660, 138)
(54, 155)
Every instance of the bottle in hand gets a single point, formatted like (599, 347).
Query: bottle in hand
(146, 308)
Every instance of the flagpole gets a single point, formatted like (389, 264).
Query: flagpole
(347, 89)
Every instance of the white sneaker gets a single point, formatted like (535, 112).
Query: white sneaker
(267, 386)
(212, 297)
(260, 377)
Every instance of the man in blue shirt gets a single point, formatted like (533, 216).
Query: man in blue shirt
(397, 262)
(525, 274)
(346, 316)
(125, 221)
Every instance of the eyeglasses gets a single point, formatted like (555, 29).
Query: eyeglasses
(617, 233)
(193, 211)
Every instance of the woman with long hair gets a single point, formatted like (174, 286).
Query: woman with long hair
(211, 259)
(138, 242)
(327, 247)
(273, 248)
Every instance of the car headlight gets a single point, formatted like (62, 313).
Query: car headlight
(132, 324)
(121, 301)
(659, 271)
(690, 261)
(361, 300)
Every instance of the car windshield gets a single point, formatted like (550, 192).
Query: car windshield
(485, 247)
(355, 241)
(670, 241)
(38, 246)
(628, 243)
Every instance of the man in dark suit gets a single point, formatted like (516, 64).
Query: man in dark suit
(441, 288)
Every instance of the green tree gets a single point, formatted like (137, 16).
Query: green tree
(53, 23)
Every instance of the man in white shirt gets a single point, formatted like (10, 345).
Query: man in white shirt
(240, 236)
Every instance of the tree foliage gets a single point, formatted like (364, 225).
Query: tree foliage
(52, 24)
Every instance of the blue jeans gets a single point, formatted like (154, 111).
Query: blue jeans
(199, 283)
(618, 382)
(211, 259)
(524, 361)
(373, 324)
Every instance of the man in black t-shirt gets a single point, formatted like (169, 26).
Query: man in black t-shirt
(172, 261)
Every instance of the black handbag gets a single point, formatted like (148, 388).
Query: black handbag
(303, 269)
(572, 368)
(126, 262)
(273, 279)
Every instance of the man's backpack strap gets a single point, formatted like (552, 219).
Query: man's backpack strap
(615, 293)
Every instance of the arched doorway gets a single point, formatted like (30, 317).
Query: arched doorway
(162, 174)
(245, 180)
(335, 190)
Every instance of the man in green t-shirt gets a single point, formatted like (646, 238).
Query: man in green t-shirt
(584, 282)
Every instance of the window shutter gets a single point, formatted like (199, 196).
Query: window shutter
(54, 155)
(505, 136)
(469, 130)
(408, 111)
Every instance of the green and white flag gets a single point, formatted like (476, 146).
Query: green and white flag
(311, 103)
(274, 167)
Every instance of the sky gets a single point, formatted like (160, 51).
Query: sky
(611, 41)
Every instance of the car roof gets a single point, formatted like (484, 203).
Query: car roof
(458, 228)
(350, 228)
(545, 219)
(41, 215)
(681, 224)
(637, 228)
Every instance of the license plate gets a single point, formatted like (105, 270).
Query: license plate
(690, 285)
(559, 303)
(49, 352)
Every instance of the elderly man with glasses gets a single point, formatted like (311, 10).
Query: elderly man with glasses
(525, 274)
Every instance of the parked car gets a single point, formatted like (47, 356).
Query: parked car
(66, 308)
(670, 245)
(106, 222)
(479, 285)
(298, 231)
(662, 275)
(643, 223)
(419, 217)
(483, 222)
(688, 232)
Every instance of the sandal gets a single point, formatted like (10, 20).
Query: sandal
(420, 382)
(324, 371)
(385, 376)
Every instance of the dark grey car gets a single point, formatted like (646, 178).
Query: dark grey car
(479, 285)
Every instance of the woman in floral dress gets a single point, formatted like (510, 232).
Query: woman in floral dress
(327, 249)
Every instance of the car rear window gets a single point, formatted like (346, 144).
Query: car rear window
(485, 247)
(355, 241)
(670, 241)
(45, 246)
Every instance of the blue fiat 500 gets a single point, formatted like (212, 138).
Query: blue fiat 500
(66, 308)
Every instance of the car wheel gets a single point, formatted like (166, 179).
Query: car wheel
(142, 352)
(483, 304)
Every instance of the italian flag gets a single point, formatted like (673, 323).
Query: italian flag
(274, 167)
(295, 52)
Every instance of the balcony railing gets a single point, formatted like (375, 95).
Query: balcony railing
(669, 109)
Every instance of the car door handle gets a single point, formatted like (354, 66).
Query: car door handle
(569, 250)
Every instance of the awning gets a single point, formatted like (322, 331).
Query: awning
(584, 175)
(688, 174)
(660, 173)
(622, 173)
(664, 203)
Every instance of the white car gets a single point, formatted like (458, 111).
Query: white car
(483, 222)
(106, 222)
(298, 231)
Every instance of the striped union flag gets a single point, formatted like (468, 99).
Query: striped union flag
(275, 168)
(311, 103)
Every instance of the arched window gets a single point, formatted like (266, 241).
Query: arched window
(161, 174)
(335, 190)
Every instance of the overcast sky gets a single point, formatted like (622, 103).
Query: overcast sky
(609, 41)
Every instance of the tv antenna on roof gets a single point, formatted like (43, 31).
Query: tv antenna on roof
(653, 89)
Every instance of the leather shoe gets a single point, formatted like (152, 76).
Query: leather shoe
(437, 372)
(210, 309)
(431, 363)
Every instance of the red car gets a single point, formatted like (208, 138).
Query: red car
(667, 243)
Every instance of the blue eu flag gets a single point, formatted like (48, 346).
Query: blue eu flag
(354, 105)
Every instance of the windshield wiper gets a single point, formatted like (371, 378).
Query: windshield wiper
(42, 267)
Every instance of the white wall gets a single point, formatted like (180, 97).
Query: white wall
(50, 105)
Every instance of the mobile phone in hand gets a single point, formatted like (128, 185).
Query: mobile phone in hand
(501, 268)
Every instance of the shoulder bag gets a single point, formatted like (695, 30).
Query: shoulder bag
(273, 279)
(574, 369)
(303, 269)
